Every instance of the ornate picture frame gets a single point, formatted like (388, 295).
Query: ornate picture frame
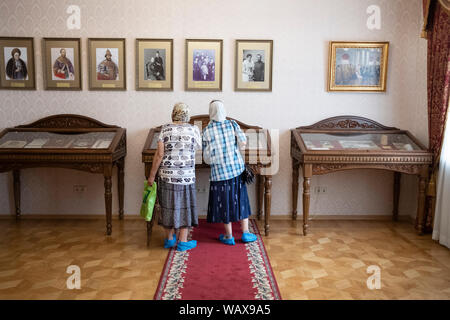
(204, 64)
(154, 64)
(17, 63)
(62, 63)
(254, 59)
(358, 66)
(107, 64)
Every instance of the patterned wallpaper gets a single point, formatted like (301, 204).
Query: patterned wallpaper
(300, 30)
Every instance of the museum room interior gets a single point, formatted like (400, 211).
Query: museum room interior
(211, 150)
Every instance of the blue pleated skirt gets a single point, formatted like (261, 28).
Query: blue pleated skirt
(228, 201)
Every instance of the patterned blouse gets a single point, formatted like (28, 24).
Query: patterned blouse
(180, 143)
(219, 145)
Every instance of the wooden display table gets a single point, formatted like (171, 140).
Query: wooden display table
(66, 141)
(257, 155)
(349, 142)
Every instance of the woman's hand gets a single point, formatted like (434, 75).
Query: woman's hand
(150, 180)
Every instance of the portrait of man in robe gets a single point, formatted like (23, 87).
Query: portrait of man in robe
(63, 68)
(16, 67)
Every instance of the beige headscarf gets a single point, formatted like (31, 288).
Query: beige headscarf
(180, 112)
(217, 111)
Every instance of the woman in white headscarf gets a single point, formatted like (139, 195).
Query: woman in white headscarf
(228, 199)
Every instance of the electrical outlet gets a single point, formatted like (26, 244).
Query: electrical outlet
(79, 188)
(320, 190)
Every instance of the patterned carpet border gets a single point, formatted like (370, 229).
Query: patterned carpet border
(263, 279)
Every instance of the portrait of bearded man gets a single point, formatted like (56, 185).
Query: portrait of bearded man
(63, 67)
(107, 69)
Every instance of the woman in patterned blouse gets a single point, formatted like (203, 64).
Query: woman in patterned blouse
(175, 159)
(228, 199)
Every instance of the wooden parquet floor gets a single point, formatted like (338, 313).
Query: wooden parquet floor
(330, 263)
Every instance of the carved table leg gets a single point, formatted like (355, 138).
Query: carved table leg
(16, 176)
(121, 187)
(421, 201)
(108, 198)
(295, 175)
(267, 203)
(397, 176)
(307, 173)
(260, 195)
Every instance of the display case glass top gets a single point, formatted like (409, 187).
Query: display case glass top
(20, 139)
(359, 141)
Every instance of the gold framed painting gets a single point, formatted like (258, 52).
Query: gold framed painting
(61, 63)
(17, 67)
(154, 64)
(204, 65)
(254, 65)
(107, 69)
(358, 66)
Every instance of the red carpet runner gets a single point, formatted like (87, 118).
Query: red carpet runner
(214, 271)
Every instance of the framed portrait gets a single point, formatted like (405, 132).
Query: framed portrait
(254, 65)
(107, 64)
(61, 63)
(154, 64)
(17, 68)
(204, 65)
(358, 66)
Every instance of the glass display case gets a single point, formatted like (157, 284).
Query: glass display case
(350, 142)
(66, 141)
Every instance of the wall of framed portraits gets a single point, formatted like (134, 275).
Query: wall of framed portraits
(290, 89)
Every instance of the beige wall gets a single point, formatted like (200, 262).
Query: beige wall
(300, 31)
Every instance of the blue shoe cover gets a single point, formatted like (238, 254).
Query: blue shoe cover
(183, 246)
(170, 243)
(248, 237)
(226, 241)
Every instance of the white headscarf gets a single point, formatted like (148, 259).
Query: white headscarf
(217, 111)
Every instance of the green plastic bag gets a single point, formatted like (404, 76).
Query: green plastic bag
(148, 202)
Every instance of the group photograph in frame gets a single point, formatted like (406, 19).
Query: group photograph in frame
(204, 65)
(154, 64)
(62, 63)
(254, 65)
(107, 70)
(17, 66)
(358, 66)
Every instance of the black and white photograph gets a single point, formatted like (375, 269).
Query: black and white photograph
(253, 65)
(155, 62)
